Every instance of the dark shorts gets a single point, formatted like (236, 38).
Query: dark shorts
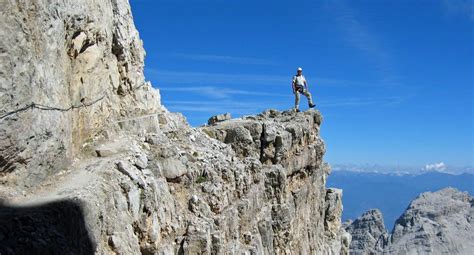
(300, 88)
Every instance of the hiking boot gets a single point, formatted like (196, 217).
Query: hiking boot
(312, 105)
(297, 110)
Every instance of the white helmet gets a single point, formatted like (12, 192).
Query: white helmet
(300, 69)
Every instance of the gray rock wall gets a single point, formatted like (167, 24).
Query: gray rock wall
(68, 69)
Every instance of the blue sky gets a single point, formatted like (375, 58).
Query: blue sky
(393, 79)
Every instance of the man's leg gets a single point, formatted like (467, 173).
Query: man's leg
(310, 98)
(297, 100)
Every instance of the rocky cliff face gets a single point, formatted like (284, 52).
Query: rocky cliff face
(290, 152)
(68, 69)
(91, 162)
(434, 223)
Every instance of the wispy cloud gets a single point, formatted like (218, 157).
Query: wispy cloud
(459, 8)
(249, 107)
(190, 77)
(220, 92)
(356, 101)
(224, 59)
(165, 77)
(209, 107)
(219, 106)
(362, 38)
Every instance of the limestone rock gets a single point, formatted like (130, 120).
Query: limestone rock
(130, 171)
(332, 223)
(434, 223)
(333, 211)
(273, 136)
(105, 151)
(368, 232)
(218, 118)
(172, 168)
(70, 71)
(141, 161)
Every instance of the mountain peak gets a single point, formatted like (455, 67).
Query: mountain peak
(425, 226)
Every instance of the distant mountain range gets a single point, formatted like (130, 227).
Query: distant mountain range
(404, 169)
(391, 193)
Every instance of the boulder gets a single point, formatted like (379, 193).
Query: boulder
(132, 172)
(141, 161)
(218, 118)
(172, 168)
(105, 151)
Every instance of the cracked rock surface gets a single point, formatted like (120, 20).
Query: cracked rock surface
(368, 232)
(438, 222)
(80, 63)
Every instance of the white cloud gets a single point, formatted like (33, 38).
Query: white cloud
(361, 37)
(441, 166)
(225, 59)
(191, 77)
(220, 92)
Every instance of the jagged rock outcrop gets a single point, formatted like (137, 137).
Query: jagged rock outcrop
(333, 228)
(85, 139)
(434, 223)
(368, 232)
(290, 150)
(437, 223)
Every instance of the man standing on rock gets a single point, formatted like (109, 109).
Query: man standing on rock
(300, 86)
